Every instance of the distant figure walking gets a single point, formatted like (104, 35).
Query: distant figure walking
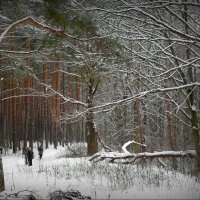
(30, 155)
(40, 151)
(26, 155)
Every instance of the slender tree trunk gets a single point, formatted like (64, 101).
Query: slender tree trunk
(57, 103)
(78, 92)
(14, 131)
(46, 107)
(170, 131)
(138, 125)
(2, 183)
(68, 105)
(10, 112)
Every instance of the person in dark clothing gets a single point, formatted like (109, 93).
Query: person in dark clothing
(40, 151)
(30, 156)
(26, 155)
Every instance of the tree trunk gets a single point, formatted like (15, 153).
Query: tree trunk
(2, 183)
(14, 131)
(192, 97)
(91, 139)
(170, 131)
(196, 135)
(138, 125)
(91, 132)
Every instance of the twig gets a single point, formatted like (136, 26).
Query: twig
(73, 151)
(104, 146)
(162, 163)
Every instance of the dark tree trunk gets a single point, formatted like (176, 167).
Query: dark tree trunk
(191, 94)
(91, 132)
(196, 134)
(91, 139)
(170, 131)
(2, 183)
(138, 125)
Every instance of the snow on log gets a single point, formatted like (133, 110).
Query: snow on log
(127, 157)
(128, 143)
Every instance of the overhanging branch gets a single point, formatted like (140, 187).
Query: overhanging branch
(30, 20)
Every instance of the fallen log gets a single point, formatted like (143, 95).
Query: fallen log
(127, 157)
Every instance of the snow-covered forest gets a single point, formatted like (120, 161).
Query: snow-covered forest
(109, 89)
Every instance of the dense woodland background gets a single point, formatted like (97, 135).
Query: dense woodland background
(125, 69)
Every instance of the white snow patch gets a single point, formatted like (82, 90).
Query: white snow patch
(194, 108)
(101, 181)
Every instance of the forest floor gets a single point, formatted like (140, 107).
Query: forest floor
(99, 181)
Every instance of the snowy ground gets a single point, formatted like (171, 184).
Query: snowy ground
(100, 181)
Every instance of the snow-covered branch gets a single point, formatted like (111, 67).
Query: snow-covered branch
(18, 52)
(128, 143)
(66, 99)
(30, 20)
(122, 13)
(144, 93)
(33, 22)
